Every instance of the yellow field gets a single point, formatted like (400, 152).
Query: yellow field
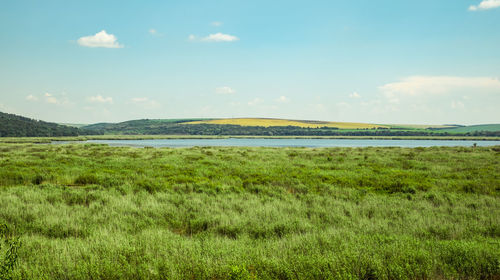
(281, 122)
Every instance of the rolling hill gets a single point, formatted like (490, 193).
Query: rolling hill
(265, 122)
(473, 128)
(17, 126)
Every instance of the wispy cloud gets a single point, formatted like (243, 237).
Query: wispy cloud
(354, 95)
(100, 99)
(155, 33)
(50, 98)
(422, 85)
(220, 37)
(31, 98)
(485, 5)
(254, 102)
(282, 99)
(217, 37)
(457, 104)
(225, 90)
(100, 40)
(216, 23)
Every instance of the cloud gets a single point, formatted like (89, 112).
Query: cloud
(100, 40)
(354, 95)
(254, 102)
(225, 90)
(49, 98)
(485, 5)
(282, 99)
(31, 98)
(437, 85)
(155, 33)
(100, 99)
(457, 104)
(216, 23)
(217, 37)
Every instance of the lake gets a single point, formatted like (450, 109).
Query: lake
(265, 142)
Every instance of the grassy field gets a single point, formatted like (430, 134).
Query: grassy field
(99, 212)
(474, 128)
(282, 122)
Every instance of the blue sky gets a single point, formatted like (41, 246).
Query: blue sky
(369, 61)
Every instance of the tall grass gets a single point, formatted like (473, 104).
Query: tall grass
(92, 211)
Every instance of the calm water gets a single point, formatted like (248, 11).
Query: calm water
(312, 143)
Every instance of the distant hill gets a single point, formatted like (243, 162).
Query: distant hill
(17, 126)
(143, 126)
(265, 122)
(77, 125)
(474, 128)
(264, 127)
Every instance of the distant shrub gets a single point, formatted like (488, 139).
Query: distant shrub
(37, 180)
(86, 179)
(151, 186)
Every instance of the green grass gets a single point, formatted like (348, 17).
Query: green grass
(99, 212)
(473, 128)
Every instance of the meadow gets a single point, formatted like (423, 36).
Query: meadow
(96, 212)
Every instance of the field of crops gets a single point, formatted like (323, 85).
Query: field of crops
(282, 122)
(99, 212)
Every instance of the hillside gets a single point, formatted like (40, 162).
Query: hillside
(17, 126)
(143, 126)
(265, 122)
(474, 128)
(269, 127)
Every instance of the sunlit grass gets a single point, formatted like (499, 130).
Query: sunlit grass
(99, 212)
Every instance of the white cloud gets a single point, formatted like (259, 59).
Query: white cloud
(216, 23)
(457, 104)
(224, 90)
(354, 95)
(100, 40)
(254, 102)
(49, 98)
(219, 37)
(192, 37)
(283, 99)
(31, 98)
(100, 99)
(435, 85)
(152, 31)
(485, 5)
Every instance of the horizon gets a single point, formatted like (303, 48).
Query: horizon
(381, 63)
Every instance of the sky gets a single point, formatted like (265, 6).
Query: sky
(392, 62)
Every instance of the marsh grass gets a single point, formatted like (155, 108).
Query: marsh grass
(93, 211)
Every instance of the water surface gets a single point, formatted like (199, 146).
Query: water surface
(264, 142)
